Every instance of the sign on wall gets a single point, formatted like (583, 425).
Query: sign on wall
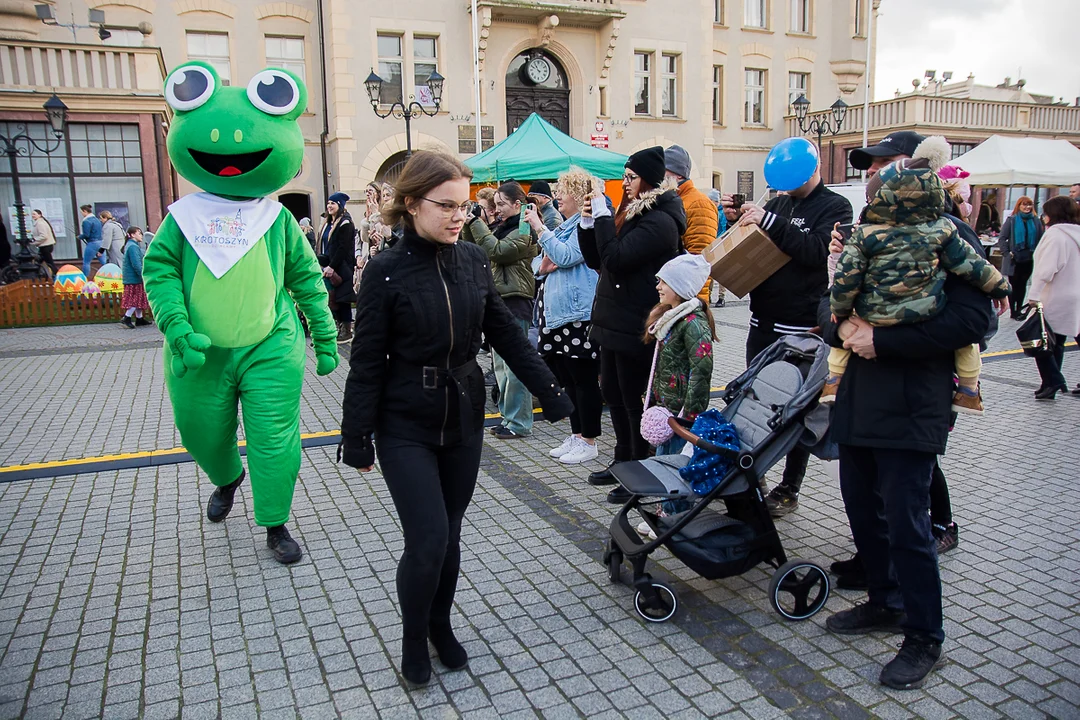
(467, 138)
(745, 183)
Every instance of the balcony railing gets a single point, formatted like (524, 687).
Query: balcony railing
(83, 69)
(927, 113)
(588, 12)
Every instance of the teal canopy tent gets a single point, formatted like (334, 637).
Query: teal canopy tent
(538, 151)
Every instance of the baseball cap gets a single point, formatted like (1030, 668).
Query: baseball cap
(897, 143)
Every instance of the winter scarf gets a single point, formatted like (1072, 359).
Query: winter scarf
(662, 327)
(1024, 231)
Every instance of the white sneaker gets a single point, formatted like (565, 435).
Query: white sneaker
(582, 452)
(567, 445)
(645, 531)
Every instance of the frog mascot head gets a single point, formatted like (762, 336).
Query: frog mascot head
(224, 276)
(234, 142)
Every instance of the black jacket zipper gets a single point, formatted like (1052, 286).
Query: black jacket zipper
(450, 310)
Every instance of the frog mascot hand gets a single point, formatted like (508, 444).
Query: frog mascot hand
(222, 276)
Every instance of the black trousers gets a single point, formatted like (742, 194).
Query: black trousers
(623, 377)
(431, 487)
(940, 504)
(1050, 365)
(1019, 281)
(46, 251)
(795, 467)
(580, 380)
(342, 313)
(886, 497)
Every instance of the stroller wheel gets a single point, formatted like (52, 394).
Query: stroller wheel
(798, 589)
(654, 611)
(613, 558)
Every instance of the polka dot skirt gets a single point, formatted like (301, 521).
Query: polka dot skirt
(571, 339)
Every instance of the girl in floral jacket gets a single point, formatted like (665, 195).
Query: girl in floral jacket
(684, 330)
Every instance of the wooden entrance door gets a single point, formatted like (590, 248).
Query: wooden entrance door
(551, 104)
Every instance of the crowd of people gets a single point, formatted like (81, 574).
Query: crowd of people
(582, 302)
(586, 303)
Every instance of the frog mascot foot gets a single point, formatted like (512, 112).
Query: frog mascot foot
(221, 500)
(286, 550)
(227, 272)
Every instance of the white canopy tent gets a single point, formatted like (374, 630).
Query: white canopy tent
(1033, 162)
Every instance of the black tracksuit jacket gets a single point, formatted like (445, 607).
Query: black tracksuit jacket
(800, 228)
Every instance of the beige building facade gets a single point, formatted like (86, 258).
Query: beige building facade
(715, 76)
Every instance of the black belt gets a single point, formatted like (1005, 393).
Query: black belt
(433, 378)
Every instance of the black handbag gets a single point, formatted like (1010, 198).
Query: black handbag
(1035, 335)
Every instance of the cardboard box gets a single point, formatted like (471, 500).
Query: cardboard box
(743, 258)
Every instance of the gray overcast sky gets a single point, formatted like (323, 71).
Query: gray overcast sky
(991, 38)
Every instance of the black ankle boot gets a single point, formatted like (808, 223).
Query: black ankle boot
(451, 653)
(286, 550)
(221, 500)
(415, 661)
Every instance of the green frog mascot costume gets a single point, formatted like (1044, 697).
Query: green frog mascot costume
(222, 276)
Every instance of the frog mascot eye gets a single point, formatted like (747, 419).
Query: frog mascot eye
(274, 92)
(227, 270)
(190, 87)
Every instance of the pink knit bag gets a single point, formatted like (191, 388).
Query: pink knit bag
(654, 420)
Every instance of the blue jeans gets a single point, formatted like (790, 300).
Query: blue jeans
(887, 499)
(89, 253)
(674, 446)
(515, 400)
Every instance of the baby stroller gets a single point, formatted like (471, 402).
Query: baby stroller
(773, 406)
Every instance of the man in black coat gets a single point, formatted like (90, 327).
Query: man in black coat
(891, 421)
(799, 224)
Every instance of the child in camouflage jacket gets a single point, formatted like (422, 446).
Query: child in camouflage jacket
(892, 269)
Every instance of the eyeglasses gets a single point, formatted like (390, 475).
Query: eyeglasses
(630, 177)
(449, 208)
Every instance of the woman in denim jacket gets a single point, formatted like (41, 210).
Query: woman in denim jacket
(564, 306)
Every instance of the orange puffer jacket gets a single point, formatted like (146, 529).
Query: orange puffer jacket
(701, 224)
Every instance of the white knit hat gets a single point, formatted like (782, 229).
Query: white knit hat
(686, 275)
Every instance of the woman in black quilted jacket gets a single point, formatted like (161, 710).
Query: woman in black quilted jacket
(415, 395)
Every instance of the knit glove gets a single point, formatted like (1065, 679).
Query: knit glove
(189, 351)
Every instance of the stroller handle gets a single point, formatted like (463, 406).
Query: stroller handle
(744, 460)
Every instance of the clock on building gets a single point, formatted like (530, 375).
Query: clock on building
(537, 71)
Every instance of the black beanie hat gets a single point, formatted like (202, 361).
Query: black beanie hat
(649, 164)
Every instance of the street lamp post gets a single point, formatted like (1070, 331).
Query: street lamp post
(402, 111)
(820, 125)
(22, 144)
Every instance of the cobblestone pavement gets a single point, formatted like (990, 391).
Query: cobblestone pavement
(117, 598)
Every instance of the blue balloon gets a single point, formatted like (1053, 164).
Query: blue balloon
(791, 163)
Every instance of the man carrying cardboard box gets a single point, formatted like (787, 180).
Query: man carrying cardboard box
(799, 224)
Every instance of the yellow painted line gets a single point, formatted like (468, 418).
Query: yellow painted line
(1017, 351)
(131, 456)
(303, 436)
